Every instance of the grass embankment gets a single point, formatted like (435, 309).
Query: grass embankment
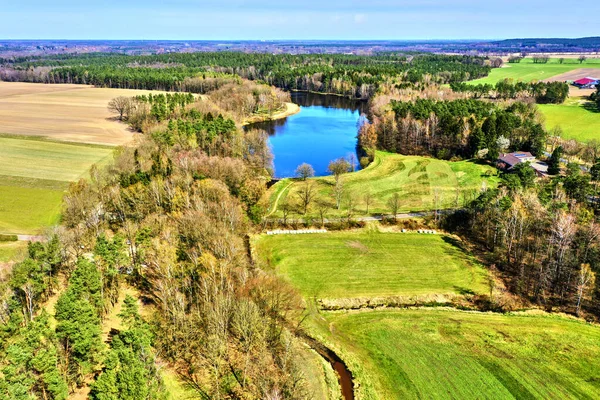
(527, 71)
(422, 183)
(10, 251)
(449, 354)
(578, 118)
(368, 263)
(34, 174)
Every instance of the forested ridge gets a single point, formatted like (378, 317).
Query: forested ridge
(348, 75)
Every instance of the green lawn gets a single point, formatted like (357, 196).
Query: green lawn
(42, 159)
(34, 174)
(367, 263)
(577, 118)
(28, 210)
(527, 71)
(443, 354)
(11, 251)
(421, 182)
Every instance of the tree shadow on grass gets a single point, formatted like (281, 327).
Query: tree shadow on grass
(591, 107)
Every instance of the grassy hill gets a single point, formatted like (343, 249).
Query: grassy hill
(368, 263)
(449, 354)
(423, 184)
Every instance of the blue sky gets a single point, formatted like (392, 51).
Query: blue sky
(308, 19)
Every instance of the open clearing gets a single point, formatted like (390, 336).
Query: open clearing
(34, 174)
(422, 183)
(578, 118)
(449, 354)
(527, 71)
(76, 113)
(367, 263)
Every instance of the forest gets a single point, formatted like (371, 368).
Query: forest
(167, 219)
(348, 75)
(454, 128)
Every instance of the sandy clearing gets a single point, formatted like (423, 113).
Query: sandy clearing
(575, 74)
(75, 113)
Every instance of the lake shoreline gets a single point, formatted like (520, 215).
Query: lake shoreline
(290, 109)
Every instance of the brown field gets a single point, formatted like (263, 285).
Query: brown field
(75, 113)
(575, 74)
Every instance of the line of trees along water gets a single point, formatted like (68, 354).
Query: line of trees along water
(348, 75)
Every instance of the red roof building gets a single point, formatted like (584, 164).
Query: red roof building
(586, 82)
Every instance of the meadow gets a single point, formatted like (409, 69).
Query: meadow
(450, 354)
(423, 184)
(34, 174)
(577, 117)
(368, 263)
(527, 71)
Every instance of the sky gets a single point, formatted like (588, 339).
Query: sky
(299, 19)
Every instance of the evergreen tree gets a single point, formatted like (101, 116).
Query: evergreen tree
(554, 161)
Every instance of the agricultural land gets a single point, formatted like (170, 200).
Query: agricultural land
(50, 135)
(527, 70)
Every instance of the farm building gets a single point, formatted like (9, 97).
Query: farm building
(586, 83)
(507, 161)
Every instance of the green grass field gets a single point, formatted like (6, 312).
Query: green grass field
(34, 174)
(449, 354)
(527, 71)
(368, 263)
(577, 117)
(10, 251)
(418, 180)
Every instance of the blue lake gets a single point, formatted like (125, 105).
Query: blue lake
(325, 129)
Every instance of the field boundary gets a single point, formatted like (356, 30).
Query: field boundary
(47, 139)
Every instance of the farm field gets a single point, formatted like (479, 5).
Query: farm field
(422, 183)
(368, 263)
(450, 354)
(577, 117)
(75, 113)
(527, 71)
(34, 174)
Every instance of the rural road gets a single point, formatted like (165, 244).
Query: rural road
(31, 238)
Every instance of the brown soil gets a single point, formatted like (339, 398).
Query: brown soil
(76, 113)
(575, 74)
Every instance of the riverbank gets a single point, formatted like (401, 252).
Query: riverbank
(290, 109)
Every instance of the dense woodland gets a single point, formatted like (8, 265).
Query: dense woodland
(348, 75)
(542, 235)
(463, 128)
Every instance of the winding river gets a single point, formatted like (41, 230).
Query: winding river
(323, 130)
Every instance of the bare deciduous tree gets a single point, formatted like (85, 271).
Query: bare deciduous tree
(120, 105)
(304, 171)
(585, 282)
(338, 168)
(394, 204)
(368, 198)
(306, 195)
(338, 193)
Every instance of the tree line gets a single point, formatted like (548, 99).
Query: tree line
(542, 236)
(453, 128)
(348, 75)
(542, 92)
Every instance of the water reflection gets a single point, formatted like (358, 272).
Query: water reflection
(325, 129)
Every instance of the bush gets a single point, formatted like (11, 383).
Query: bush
(8, 238)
